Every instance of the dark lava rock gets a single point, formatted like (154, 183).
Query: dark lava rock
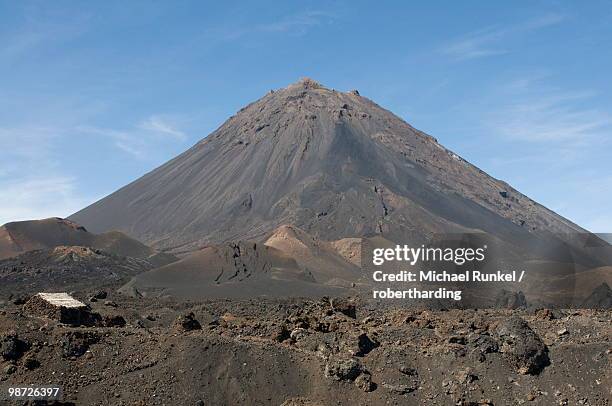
(365, 344)
(465, 375)
(76, 343)
(485, 344)
(187, 322)
(110, 303)
(12, 348)
(113, 321)
(364, 382)
(406, 370)
(456, 340)
(100, 295)
(10, 369)
(343, 369)
(522, 346)
(344, 306)
(20, 300)
(31, 363)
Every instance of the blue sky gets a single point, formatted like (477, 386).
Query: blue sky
(95, 94)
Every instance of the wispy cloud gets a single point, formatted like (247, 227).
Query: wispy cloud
(36, 197)
(475, 45)
(489, 41)
(141, 139)
(124, 140)
(160, 125)
(297, 23)
(552, 144)
(40, 29)
(32, 184)
(551, 117)
(33, 180)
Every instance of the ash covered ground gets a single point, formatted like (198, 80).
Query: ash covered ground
(328, 351)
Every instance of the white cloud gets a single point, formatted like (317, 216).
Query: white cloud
(141, 139)
(30, 180)
(33, 180)
(551, 117)
(36, 197)
(476, 45)
(297, 23)
(489, 41)
(160, 125)
(40, 29)
(126, 141)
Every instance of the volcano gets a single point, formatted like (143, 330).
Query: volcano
(334, 164)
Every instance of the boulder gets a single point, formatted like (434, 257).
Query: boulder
(345, 306)
(364, 382)
(101, 294)
(343, 369)
(187, 322)
(31, 363)
(12, 348)
(360, 345)
(281, 333)
(522, 346)
(113, 321)
(76, 343)
(10, 369)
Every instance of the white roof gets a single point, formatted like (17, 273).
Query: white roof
(61, 299)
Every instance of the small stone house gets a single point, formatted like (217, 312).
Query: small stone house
(60, 307)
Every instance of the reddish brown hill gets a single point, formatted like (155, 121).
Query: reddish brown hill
(24, 236)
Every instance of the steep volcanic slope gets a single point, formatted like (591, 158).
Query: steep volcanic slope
(334, 164)
(24, 236)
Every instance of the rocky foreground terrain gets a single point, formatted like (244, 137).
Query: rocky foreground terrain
(329, 351)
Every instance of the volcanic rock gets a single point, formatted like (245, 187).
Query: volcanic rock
(10, 369)
(113, 321)
(76, 343)
(101, 294)
(522, 346)
(343, 369)
(187, 322)
(12, 348)
(31, 363)
(345, 306)
(364, 382)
